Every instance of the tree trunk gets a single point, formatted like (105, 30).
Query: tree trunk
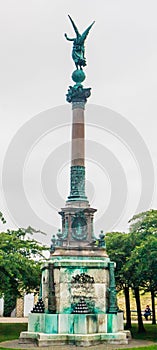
(153, 307)
(138, 305)
(127, 305)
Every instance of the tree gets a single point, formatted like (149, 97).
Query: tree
(144, 223)
(144, 259)
(136, 259)
(144, 227)
(119, 248)
(20, 262)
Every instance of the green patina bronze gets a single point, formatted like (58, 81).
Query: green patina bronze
(101, 240)
(78, 76)
(78, 52)
(112, 290)
(77, 93)
(77, 183)
(79, 226)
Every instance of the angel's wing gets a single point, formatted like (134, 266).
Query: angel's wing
(74, 26)
(85, 33)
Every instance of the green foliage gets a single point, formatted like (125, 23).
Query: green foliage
(20, 261)
(2, 218)
(9, 303)
(119, 247)
(136, 252)
(135, 255)
(144, 223)
(143, 260)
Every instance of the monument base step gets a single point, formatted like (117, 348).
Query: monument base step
(45, 340)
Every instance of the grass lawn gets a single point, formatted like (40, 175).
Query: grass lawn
(152, 347)
(16, 349)
(11, 331)
(150, 334)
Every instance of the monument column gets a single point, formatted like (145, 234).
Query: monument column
(77, 96)
(77, 215)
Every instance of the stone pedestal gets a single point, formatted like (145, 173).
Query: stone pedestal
(76, 277)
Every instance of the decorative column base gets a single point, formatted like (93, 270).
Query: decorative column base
(77, 185)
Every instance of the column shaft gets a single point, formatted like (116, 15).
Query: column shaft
(77, 152)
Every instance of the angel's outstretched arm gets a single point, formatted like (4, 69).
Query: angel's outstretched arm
(72, 39)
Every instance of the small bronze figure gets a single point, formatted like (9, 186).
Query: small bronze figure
(78, 52)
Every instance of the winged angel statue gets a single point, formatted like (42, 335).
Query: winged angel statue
(78, 52)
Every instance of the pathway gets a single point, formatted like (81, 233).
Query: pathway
(132, 344)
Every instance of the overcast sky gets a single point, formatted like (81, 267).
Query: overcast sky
(35, 72)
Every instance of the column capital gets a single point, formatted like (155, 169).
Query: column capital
(78, 104)
(77, 93)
